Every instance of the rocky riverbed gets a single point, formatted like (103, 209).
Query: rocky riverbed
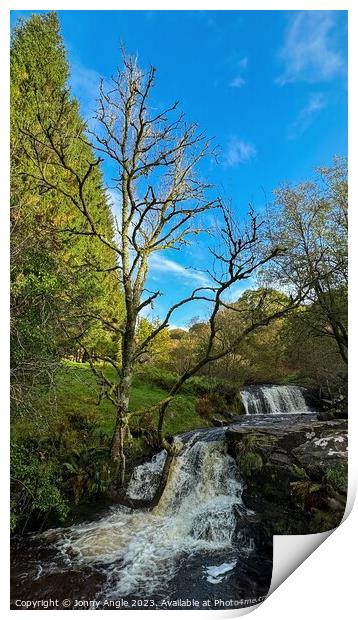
(209, 532)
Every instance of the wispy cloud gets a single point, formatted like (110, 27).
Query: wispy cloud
(85, 86)
(244, 62)
(115, 201)
(306, 115)
(238, 80)
(160, 264)
(183, 327)
(238, 152)
(309, 52)
(236, 290)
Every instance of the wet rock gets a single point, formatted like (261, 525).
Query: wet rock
(324, 416)
(218, 422)
(295, 471)
(334, 408)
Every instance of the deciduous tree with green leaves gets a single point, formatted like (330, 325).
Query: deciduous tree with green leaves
(310, 220)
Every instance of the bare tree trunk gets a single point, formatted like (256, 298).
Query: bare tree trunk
(117, 450)
(123, 392)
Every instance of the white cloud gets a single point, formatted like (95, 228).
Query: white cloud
(160, 264)
(115, 200)
(83, 78)
(238, 152)
(237, 289)
(237, 82)
(85, 86)
(183, 327)
(244, 62)
(309, 53)
(306, 115)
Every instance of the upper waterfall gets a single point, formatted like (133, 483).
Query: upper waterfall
(272, 399)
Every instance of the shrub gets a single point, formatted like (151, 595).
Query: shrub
(86, 473)
(197, 386)
(204, 406)
(337, 477)
(163, 379)
(249, 460)
(54, 468)
(35, 486)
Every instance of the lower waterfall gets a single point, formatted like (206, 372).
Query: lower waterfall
(274, 399)
(198, 543)
(199, 521)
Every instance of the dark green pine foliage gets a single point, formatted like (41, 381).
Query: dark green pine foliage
(59, 281)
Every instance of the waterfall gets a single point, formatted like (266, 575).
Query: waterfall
(145, 478)
(199, 512)
(273, 399)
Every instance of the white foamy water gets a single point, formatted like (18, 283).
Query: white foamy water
(146, 478)
(215, 574)
(196, 513)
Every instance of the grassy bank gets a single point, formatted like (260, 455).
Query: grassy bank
(76, 393)
(60, 446)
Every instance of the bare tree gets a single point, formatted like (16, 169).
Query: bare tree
(155, 156)
(239, 257)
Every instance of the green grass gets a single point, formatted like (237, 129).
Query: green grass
(60, 443)
(76, 393)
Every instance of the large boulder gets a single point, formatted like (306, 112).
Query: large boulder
(295, 470)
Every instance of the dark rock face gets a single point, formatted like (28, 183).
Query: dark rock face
(295, 472)
(334, 408)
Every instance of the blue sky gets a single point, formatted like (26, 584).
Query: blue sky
(269, 86)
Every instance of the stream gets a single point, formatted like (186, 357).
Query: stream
(194, 549)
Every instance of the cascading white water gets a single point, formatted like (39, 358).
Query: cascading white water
(197, 512)
(274, 399)
(146, 477)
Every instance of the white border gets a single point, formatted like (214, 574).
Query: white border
(324, 585)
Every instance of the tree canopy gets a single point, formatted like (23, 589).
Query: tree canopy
(58, 282)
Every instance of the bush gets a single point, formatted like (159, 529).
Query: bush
(204, 406)
(87, 473)
(247, 456)
(223, 393)
(54, 468)
(337, 477)
(163, 379)
(250, 462)
(35, 486)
